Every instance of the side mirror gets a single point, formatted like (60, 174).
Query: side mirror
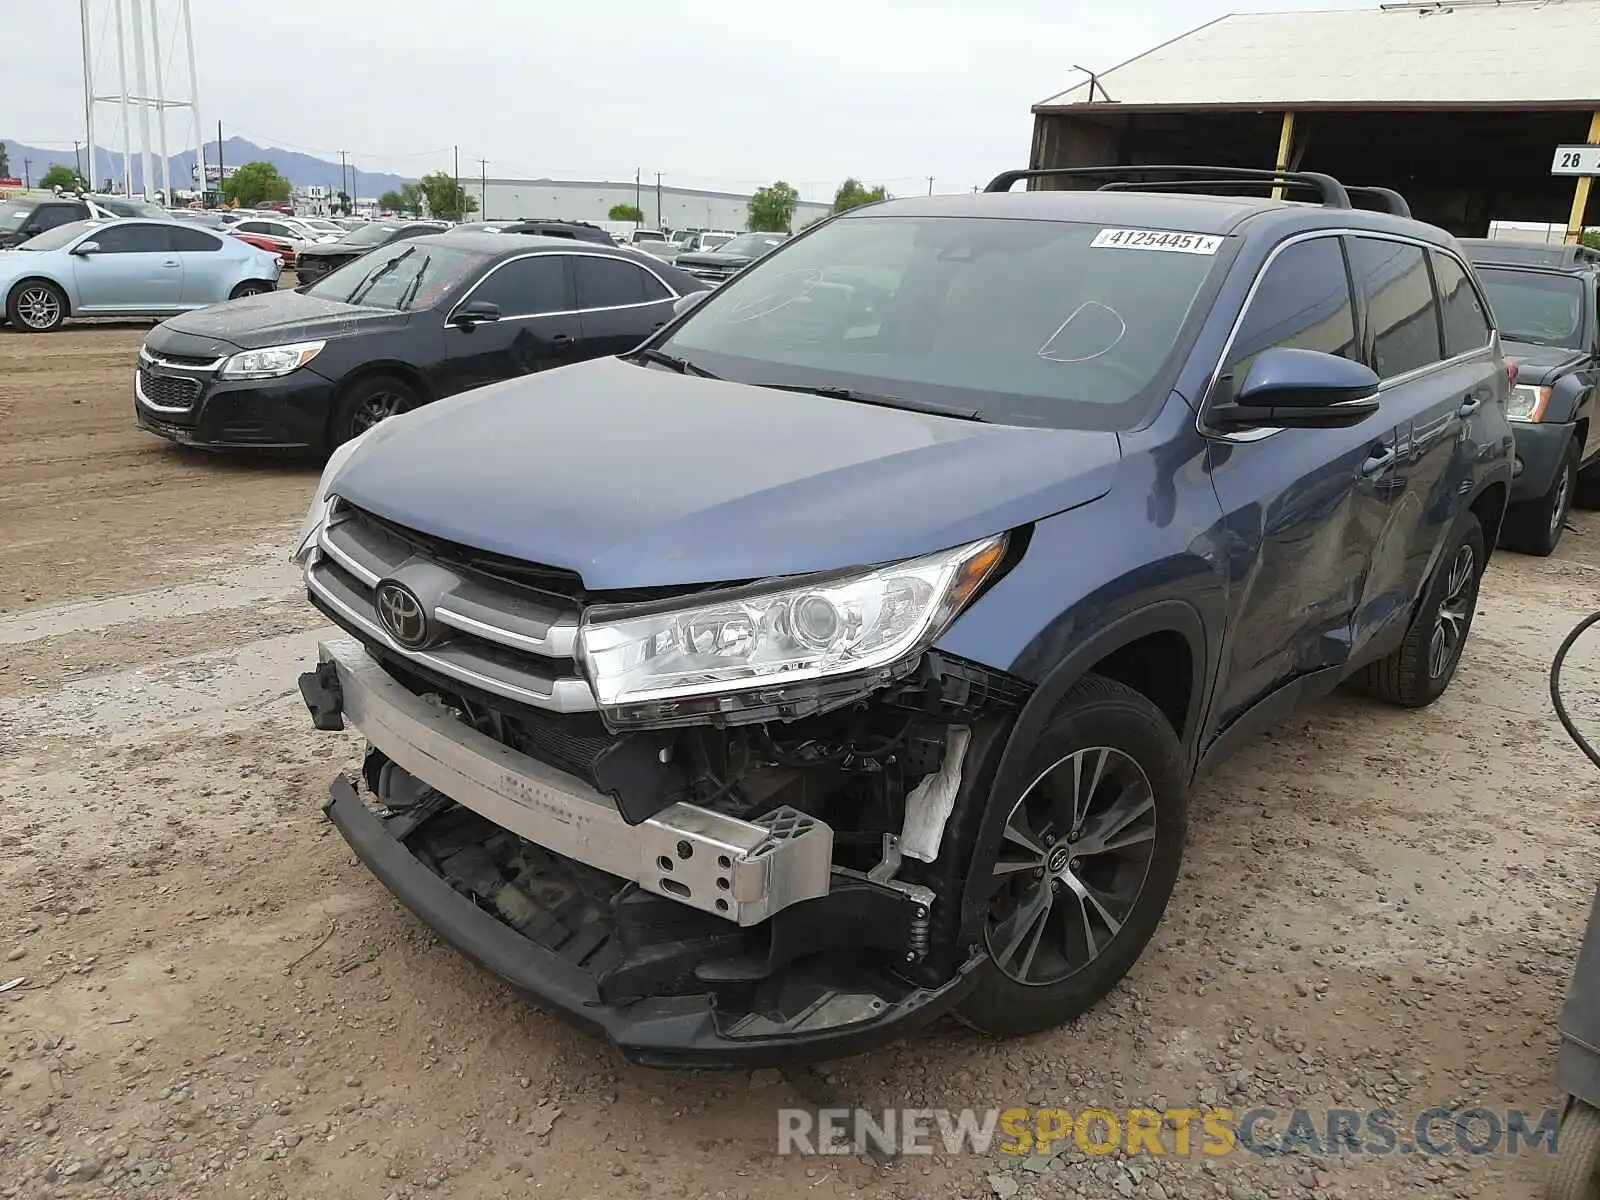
(475, 312)
(685, 302)
(1299, 389)
(85, 249)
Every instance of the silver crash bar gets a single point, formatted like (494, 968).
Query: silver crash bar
(743, 871)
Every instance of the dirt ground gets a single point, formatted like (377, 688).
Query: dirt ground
(1379, 907)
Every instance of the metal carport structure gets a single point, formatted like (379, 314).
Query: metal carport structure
(1459, 106)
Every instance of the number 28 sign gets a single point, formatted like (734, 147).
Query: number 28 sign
(1576, 160)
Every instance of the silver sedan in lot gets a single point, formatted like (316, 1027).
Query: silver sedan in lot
(127, 268)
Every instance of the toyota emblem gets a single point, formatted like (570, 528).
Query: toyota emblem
(401, 614)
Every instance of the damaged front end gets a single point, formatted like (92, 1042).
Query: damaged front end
(712, 874)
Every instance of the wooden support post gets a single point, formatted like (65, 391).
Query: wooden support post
(1580, 194)
(1285, 150)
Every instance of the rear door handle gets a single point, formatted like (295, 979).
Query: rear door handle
(1469, 406)
(171, 265)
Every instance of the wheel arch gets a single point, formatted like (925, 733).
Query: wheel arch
(1124, 648)
(394, 368)
(66, 292)
(1489, 506)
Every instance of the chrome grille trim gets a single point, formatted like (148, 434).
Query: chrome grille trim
(510, 644)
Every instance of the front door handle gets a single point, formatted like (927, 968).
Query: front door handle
(1469, 406)
(1379, 461)
(561, 339)
(171, 266)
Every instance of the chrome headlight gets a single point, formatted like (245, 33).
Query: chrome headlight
(270, 363)
(322, 501)
(774, 649)
(1527, 403)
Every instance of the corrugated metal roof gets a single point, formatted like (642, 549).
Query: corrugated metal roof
(1472, 52)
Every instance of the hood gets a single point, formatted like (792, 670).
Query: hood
(639, 477)
(713, 258)
(276, 318)
(342, 248)
(1542, 365)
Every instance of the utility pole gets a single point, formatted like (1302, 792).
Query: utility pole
(88, 94)
(122, 84)
(483, 188)
(77, 161)
(219, 158)
(341, 173)
(27, 177)
(161, 108)
(456, 199)
(141, 76)
(930, 185)
(659, 223)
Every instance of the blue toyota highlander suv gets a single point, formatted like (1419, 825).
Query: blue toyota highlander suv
(844, 655)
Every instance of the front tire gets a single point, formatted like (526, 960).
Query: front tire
(1087, 859)
(367, 402)
(1418, 673)
(37, 306)
(1535, 526)
(1577, 1170)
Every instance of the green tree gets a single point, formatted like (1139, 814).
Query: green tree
(5, 162)
(406, 199)
(772, 208)
(63, 177)
(446, 199)
(342, 202)
(1592, 239)
(254, 183)
(851, 193)
(625, 212)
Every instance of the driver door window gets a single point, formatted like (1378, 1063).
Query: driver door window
(1303, 302)
(528, 287)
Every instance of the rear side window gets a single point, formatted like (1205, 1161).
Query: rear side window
(133, 239)
(1302, 302)
(528, 287)
(612, 283)
(193, 240)
(1466, 325)
(51, 215)
(1402, 312)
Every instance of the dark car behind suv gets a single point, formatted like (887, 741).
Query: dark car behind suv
(728, 259)
(1546, 301)
(844, 654)
(403, 325)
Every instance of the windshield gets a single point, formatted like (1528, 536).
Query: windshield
(61, 235)
(710, 241)
(404, 276)
(754, 245)
(1025, 322)
(124, 207)
(1535, 306)
(370, 235)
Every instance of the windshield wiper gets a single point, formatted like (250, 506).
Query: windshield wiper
(681, 365)
(411, 289)
(359, 292)
(881, 400)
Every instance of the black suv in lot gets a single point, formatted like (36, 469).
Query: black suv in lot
(1546, 300)
(844, 654)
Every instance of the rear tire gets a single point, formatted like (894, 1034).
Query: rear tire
(1418, 673)
(36, 306)
(1535, 526)
(251, 287)
(1577, 1170)
(365, 403)
(1086, 862)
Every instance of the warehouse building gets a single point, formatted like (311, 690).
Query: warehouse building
(1459, 106)
(580, 200)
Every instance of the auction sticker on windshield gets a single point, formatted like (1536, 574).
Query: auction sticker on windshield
(1157, 239)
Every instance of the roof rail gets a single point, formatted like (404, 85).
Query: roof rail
(1393, 202)
(1333, 192)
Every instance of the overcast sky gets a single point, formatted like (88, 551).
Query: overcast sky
(711, 93)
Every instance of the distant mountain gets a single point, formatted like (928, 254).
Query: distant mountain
(304, 170)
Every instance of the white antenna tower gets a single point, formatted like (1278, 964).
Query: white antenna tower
(145, 35)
